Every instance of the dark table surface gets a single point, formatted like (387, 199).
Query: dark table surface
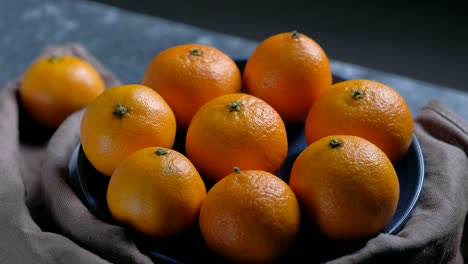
(125, 42)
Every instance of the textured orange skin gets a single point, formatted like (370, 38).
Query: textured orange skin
(381, 116)
(253, 138)
(108, 139)
(351, 192)
(157, 195)
(52, 89)
(250, 217)
(187, 81)
(289, 74)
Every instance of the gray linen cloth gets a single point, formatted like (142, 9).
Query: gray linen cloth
(43, 221)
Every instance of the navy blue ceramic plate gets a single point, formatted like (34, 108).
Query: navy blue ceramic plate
(90, 186)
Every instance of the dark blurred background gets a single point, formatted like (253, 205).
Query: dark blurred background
(422, 40)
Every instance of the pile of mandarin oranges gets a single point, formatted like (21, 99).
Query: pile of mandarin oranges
(223, 178)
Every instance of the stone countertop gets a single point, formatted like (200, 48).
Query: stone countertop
(126, 42)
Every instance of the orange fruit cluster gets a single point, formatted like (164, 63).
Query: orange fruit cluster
(344, 182)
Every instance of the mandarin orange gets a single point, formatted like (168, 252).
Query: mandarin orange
(363, 108)
(289, 71)
(124, 119)
(53, 87)
(250, 217)
(157, 192)
(236, 130)
(187, 76)
(346, 186)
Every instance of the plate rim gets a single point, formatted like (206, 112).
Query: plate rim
(419, 186)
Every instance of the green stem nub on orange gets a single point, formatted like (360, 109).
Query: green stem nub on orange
(295, 34)
(120, 110)
(235, 106)
(161, 152)
(357, 94)
(54, 58)
(334, 143)
(237, 170)
(195, 52)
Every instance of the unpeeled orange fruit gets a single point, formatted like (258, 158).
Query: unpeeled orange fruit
(289, 71)
(250, 217)
(124, 119)
(187, 76)
(53, 87)
(346, 186)
(156, 191)
(236, 130)
(363, 108)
